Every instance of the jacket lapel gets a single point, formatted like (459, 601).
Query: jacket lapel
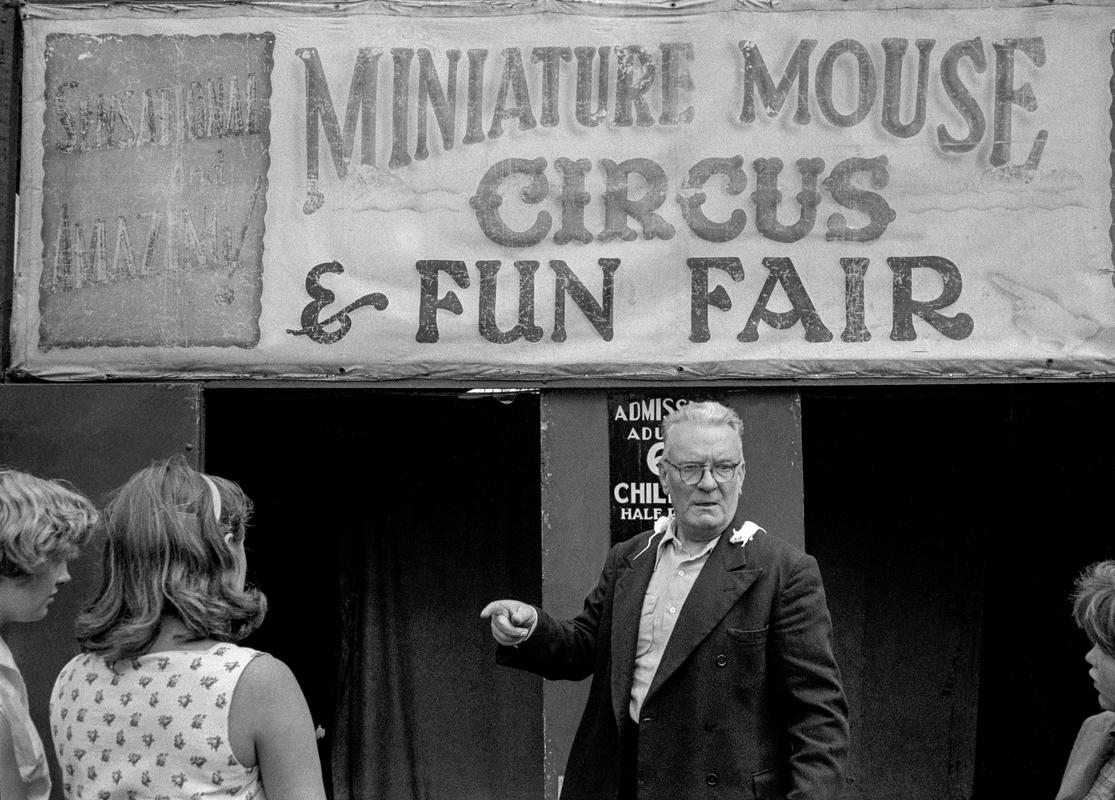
(627, 607)
(722, 581)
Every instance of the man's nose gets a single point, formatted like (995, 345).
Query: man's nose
(63, 575)
(707, 483)
(1093, 655)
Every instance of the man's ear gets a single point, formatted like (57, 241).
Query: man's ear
(228, 539)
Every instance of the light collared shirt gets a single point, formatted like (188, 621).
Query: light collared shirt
(674, 574)
(30, 758)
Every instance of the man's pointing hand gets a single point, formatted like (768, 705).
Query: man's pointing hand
(512, 621)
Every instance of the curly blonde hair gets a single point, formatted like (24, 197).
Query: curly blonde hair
(40, 520)
(1093, 605)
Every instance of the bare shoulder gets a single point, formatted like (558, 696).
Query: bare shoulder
(270, 716)
(1103, 722)
(263, 679)
(266, 674)
(254, 712)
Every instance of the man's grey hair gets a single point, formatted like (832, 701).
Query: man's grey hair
(707, 412)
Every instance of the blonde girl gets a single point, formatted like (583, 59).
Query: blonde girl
(42, 525)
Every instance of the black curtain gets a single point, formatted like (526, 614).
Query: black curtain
(378, 538)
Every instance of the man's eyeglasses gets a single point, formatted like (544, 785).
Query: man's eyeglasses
(691, 472)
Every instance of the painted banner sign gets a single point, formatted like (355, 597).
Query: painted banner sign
(378, 191)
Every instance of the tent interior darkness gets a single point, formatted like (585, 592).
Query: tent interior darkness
(949, 523)
(383, 524)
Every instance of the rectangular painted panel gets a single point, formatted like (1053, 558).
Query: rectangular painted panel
(168, 252)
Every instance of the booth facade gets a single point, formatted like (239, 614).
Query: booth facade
(425, 280)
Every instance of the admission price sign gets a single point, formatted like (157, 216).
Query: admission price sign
(634, 447)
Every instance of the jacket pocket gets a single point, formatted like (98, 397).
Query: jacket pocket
(770, 784)
(646, 625)
(749, 637)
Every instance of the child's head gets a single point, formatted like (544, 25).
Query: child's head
(43, 523)
(174, 548)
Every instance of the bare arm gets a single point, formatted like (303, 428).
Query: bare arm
(11, 785)
(269, 715)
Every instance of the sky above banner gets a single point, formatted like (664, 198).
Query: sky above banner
(715, 194)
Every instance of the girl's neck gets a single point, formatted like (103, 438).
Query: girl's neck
(173, 635)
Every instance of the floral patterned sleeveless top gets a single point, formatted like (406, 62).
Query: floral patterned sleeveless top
(151, 728)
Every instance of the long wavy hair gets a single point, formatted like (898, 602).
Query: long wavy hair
(166, 555)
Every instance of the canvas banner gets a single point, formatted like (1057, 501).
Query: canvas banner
(380, 192)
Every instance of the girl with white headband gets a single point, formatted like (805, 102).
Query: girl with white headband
(163, 702)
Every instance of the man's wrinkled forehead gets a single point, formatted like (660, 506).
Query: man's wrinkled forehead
(678, 429)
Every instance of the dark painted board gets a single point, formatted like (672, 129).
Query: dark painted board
(94, 436)
(574, 541)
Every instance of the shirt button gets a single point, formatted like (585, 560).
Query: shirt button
(671, 609)
(721, 660)
(712, 779)
(681, 573)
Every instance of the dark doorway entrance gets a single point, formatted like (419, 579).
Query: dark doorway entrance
(384, 522)
(950, 523)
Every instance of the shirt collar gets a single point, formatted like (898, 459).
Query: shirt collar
(30, 757)
(671, 539)
(7, 661)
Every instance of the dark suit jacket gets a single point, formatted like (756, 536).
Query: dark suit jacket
(747, 700)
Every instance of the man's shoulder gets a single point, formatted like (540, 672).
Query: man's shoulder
(768, 548)
(636, 544)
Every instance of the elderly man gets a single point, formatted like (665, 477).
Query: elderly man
(709, 648)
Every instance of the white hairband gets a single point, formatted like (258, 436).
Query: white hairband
(216, 497)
